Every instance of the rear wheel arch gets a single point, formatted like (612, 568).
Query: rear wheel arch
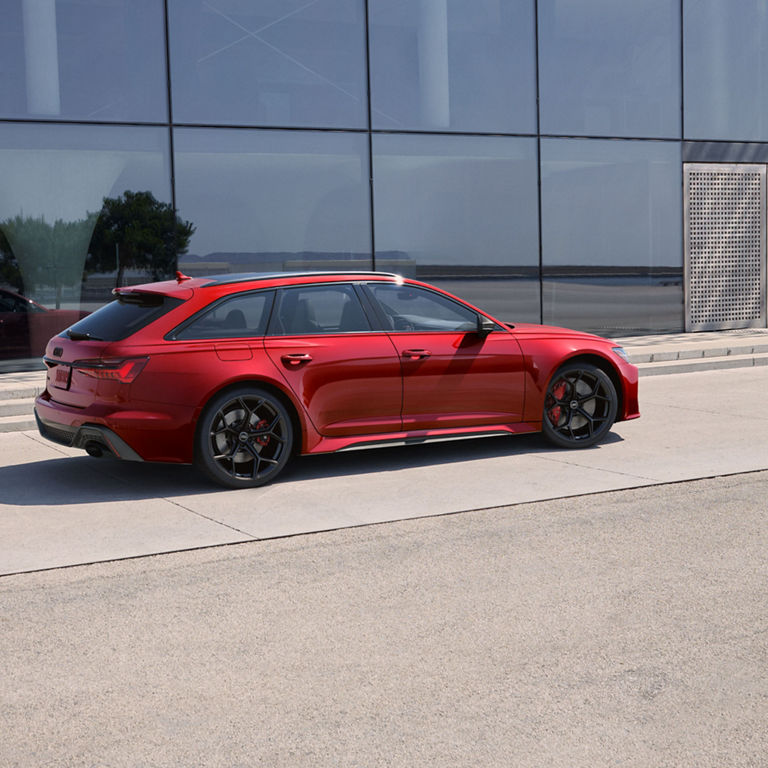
(299, 430)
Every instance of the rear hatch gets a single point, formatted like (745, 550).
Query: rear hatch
(81, 369)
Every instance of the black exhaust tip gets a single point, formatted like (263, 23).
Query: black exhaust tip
(92, 448)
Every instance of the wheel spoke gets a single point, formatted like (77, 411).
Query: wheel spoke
(590, 420)
(268, 430)
(222, 416)
(248, 411)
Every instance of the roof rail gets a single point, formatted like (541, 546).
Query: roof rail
(244, 277)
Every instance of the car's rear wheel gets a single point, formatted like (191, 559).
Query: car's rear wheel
(579, 407)
(244, 438)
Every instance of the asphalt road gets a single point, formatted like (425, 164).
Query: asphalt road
(626, 628)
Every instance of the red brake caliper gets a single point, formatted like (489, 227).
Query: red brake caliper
(558, 393)
(264, 439)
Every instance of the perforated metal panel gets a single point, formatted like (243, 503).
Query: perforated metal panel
(725, 256)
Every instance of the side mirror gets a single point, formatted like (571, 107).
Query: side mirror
(484, 326)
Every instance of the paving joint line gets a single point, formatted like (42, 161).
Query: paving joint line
(210, 519)
(551, 457)
(191, 511)
(47, 443)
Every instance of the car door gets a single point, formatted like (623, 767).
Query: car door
(345, 374)
(14, 326)
(453, 375)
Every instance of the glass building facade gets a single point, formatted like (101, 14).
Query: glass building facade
(527, 155)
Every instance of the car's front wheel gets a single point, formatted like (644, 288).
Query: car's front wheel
(579, 407)
(244, 438)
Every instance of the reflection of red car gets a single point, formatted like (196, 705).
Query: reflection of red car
(26, 326)
(238, 373)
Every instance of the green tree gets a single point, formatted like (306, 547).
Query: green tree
(137, 231)
(36, 253)
(10, 274)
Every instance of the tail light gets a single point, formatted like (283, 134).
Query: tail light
(124, 371)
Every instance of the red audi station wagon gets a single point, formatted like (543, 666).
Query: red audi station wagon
(237, 373)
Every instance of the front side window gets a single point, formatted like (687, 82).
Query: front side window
(237, 317)
(407, 308)
(319, 309)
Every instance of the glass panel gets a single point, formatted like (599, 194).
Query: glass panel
(461, 212)
(265, 201)
(454, 66)
(269, 62)
(612, 235)
(610, 68)
(55, 247)
(319, 309)
(83, 59)
(241, 316)
(414, 309)
(123, 316)
(726, 80)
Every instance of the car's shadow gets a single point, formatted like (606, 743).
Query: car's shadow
(85, 480)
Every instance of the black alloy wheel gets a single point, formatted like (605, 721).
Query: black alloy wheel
(244, 438)
(579, 407)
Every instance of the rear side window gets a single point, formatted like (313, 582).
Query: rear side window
(122, 317)
(240, 316)
(318, 309)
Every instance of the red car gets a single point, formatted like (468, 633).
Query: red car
(238, 373)
(26, 326)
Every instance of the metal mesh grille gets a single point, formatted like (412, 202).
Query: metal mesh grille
(725, 246)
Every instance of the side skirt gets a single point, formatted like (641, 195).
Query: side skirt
(419, 437)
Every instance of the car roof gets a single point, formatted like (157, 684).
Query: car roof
(182, 284)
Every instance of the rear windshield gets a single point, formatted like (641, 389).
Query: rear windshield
(122, 317)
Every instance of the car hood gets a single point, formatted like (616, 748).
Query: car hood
(534, 331)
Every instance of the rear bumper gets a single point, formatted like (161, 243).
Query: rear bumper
(85, 437)
(138, 434)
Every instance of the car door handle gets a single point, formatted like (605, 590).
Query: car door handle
(296, 359)
(416, 354)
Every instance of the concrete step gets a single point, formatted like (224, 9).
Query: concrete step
(18, 406)
(18, 423)
(641, 354)
(14, 386)
(701, 363)
(17, 400)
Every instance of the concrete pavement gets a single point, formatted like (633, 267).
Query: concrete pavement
(59, 507)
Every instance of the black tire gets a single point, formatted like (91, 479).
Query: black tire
(579, 407)
(244, 438)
